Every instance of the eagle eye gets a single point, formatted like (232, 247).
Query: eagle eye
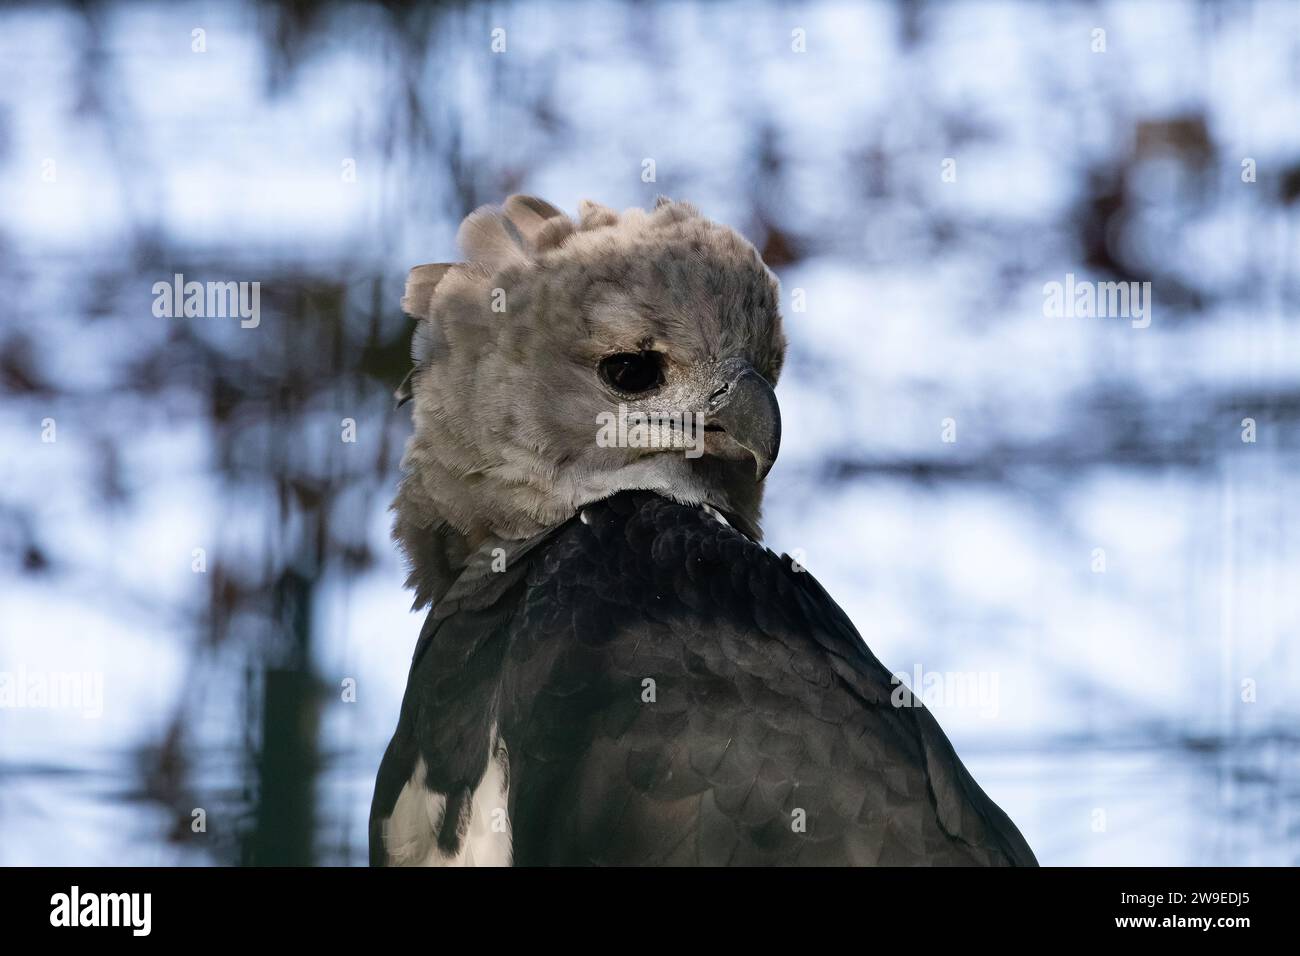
(633, 372)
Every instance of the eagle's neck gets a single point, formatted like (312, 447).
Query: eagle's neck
(445, 516)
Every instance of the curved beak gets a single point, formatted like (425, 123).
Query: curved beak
(745, 408)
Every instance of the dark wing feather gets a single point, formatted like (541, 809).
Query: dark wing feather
(451, 701)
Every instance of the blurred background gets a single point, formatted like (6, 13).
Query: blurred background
(181, 519)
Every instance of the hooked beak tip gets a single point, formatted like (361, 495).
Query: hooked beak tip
(748, 411)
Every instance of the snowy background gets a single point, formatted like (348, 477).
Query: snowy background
(1099, 540)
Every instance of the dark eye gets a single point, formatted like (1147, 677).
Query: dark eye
(633, 372)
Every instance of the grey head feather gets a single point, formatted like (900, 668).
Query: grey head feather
(420, 286)
(529, 215)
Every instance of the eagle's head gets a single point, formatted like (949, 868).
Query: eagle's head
(566, 360)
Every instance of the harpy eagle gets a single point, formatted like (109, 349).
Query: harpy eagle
(613, 670)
